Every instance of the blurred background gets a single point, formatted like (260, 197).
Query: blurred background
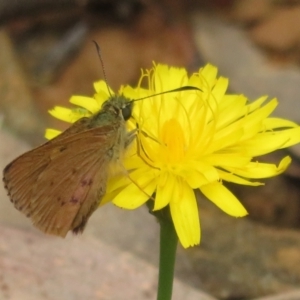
(47, 55)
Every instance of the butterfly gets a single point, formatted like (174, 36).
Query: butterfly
(61, 183)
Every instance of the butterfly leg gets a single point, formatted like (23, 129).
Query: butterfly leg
(130, 137)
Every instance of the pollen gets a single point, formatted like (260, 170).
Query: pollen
(173, 141)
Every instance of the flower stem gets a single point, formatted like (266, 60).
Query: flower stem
(168, 245)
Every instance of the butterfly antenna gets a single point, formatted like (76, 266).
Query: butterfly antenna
(102, 65)
(183, 88)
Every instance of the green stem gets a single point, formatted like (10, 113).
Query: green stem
(168, 245)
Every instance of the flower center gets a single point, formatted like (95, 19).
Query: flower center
(173, 141)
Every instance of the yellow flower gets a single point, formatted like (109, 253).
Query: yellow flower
(191, 140)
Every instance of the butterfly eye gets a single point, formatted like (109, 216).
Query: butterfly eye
(126, 111)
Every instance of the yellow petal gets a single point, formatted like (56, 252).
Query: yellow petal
(224, 139)
(208, 171)
(134, 196)
(165, 190)
(261, 113)
(249, 125)
(224, 199)
(51, 133)
(262, 170)
(273, 123)
(134, 162)
(134, 93)
(86, 102)
(229, 177)
(293, 136)
(267, 142)
(256, 104)
(228, 159)
(167, 78)
(109, 196)
(65, 114)
(101, 86)
(185, 216)
(208, 75)
(138, 176)
(117, 182)
(193, 177)
(220, 88)
(231, 108)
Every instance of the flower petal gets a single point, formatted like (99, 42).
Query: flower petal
(86, 102)
(229, 177)
(224, 199)
(65, 114)
(165, 190)
(167, 78)
(273, 123)
(228, 159)
(102, 87)
(262, 170)
(51, 133)
(184, 212)
(207, 170)
(194, 178)
(269, 141)
(133, 196)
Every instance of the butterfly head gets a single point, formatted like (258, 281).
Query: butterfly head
(119, 104)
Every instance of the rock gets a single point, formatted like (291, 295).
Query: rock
(294, 295)
(251, 10)
(239, 258)
(17, 105)
(280, 31)
(36, 266)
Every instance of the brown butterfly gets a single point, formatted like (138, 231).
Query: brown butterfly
(61, 183)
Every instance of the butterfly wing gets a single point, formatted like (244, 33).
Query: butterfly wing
(59, 184)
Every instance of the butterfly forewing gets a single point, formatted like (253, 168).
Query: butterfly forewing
(59, 184)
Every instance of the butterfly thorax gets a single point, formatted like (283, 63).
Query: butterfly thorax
(113, 114)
